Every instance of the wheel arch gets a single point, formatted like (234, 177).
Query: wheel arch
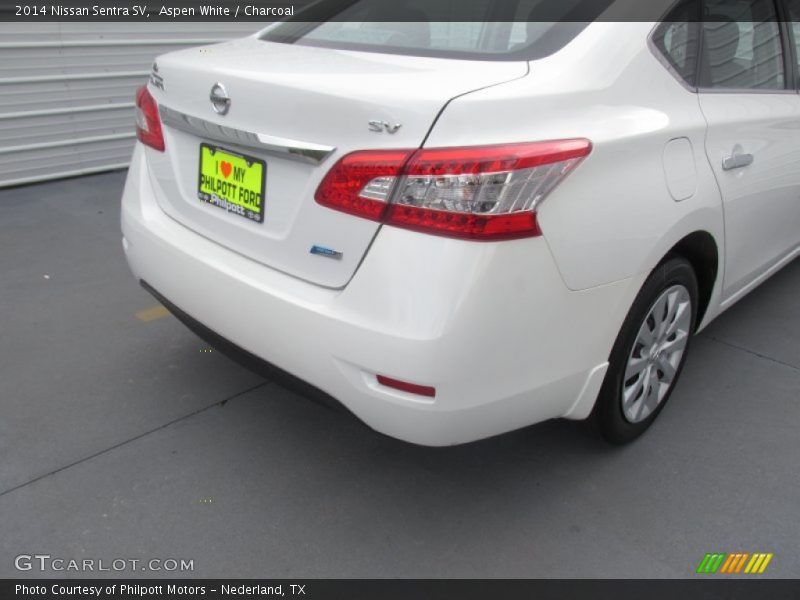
(701, 250)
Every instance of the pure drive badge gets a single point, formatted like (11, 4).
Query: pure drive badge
(323, 251)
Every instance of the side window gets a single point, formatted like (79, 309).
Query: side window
(741, 46)
(676, 39)
(794, 17)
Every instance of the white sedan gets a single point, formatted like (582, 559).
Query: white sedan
(456, 229)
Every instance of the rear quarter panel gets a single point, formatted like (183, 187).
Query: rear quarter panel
(613, 217)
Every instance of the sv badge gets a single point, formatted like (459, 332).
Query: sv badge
(381, 126)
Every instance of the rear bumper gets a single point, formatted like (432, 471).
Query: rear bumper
(245, 358)
(491, 326)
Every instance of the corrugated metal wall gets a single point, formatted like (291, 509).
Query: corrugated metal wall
(66, 91)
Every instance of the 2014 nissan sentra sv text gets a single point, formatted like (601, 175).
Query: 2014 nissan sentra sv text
(459, 229)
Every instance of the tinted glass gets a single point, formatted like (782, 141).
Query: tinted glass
(794, 16)
(425, 28)
(741, 45)
(677, 40)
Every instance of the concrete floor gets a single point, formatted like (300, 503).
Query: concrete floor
(123, 438)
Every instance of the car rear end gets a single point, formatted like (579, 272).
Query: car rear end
(284, 197)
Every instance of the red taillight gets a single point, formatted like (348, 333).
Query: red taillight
(480, 193)
(148, 123)
(464, 225)
(412, 388)
(345, 186)
(490, 159)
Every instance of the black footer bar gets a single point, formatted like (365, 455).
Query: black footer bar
(401, 589)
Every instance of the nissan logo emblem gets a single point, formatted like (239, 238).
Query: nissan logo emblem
(220, 99)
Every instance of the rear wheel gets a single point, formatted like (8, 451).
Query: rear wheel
(649, 353)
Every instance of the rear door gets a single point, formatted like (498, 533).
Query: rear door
(746, 92)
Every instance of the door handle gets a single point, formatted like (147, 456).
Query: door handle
(737, 159)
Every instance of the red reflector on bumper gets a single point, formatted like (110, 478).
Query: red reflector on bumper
(412, 388)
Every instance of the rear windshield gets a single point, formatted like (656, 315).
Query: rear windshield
(467, 29)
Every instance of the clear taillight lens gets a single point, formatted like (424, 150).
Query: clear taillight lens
(148, 122)
(482, 192)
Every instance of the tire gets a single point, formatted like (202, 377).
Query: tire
(648, 354)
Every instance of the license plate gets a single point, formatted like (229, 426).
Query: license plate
(233, 182)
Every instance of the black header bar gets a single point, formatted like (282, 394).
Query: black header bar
(266, 11)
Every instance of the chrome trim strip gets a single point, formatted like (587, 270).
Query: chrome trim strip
(285, 147)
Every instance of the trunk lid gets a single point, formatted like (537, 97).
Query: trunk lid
(298, 109)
